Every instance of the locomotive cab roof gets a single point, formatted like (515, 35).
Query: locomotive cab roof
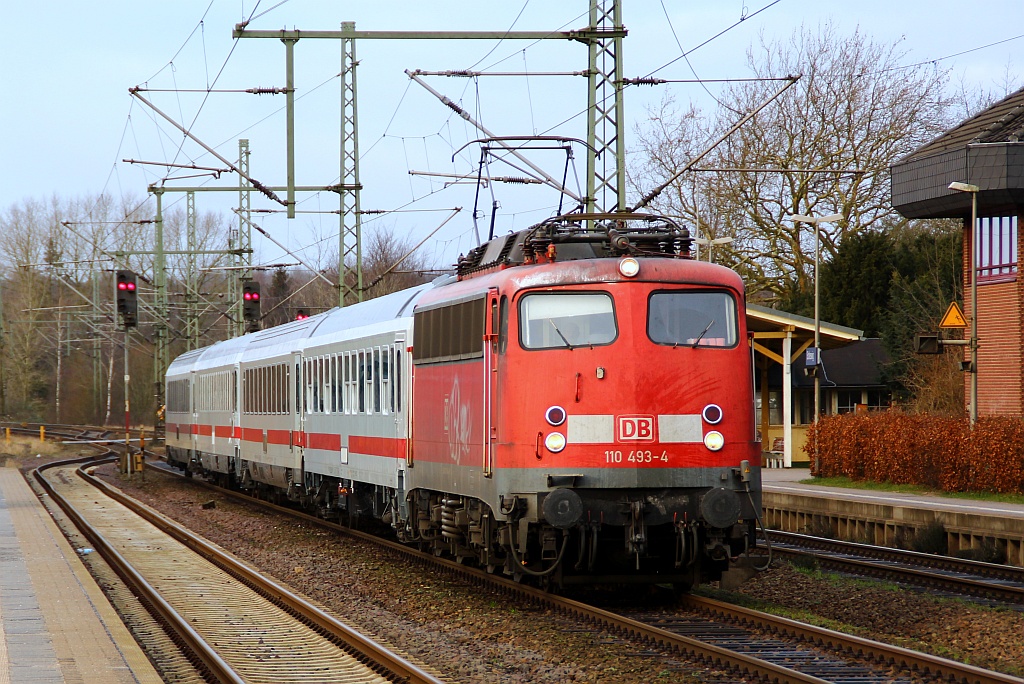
(581, 236)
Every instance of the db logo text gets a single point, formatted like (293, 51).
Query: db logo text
(635, 428)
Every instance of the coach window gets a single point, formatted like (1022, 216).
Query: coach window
(557, 321)
(378, 380)
(307, 383)
(387, 402)
(398, 378)
(361, 389)
(691, 319)
(346, 403)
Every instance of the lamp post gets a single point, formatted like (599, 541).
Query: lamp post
(816, 220)
(973, 189)
(711, 244)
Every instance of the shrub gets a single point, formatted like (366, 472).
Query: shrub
(988, 552)
(935, 451)
(931, 538)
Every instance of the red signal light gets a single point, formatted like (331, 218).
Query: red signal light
(129, 286)
(247, 296)
(122, 286)
(255, 296)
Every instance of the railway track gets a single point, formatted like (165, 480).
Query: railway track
(958, 576)
(235, 624)
(795, 652)
(714, 634)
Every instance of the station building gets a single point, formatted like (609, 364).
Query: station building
(985, 151)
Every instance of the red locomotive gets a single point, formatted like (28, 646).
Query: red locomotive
(576, 404)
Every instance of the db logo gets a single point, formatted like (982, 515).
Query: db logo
(636, 428)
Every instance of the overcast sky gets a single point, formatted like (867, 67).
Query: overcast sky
(67, 118)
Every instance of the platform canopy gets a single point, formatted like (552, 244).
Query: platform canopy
(781, 338)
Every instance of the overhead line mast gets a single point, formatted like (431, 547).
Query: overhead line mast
(606, 189)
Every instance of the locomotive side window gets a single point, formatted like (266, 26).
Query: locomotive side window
(692, 319)
(503, 325)
(453, 332)
(555, 321)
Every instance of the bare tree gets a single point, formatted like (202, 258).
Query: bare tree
(390, 264)
(855, 110)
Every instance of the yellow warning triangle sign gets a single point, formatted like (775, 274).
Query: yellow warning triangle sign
(954, 317)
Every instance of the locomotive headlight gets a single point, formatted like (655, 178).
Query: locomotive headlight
(714, 440)
(629, 267)
(555, 415)
(555, 442)
(712, 414)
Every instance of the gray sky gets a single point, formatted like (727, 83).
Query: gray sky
(68, 120)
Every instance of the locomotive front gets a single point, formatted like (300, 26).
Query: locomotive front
(619, 428)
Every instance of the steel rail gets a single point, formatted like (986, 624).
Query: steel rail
(389, 663)
(927, 570)
(211, 662)
(395, 665)
(708, 654)
(915, 661)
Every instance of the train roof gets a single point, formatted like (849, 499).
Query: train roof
(339, 323)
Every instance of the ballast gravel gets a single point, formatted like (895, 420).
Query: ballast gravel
(466, 634)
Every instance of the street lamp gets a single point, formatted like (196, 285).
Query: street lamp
(710, 244)
(831, 218)
(973, 189)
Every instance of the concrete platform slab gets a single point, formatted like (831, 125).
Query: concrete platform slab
(56, 625)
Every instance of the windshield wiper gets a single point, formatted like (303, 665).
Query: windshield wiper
(701, 336)
(560, 334)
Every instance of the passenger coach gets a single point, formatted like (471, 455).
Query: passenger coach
(575, 404)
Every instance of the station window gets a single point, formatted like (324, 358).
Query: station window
(879, 400)
(847, 400)
(997, 247)
(774, 408)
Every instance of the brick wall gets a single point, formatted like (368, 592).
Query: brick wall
(1001, 339)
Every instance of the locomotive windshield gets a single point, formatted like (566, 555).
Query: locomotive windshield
(549, 320)
(682, 318)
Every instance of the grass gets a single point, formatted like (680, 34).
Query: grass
(849, 483)
(23, 448)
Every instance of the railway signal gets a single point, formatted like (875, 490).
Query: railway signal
(251, 304)
(126, 296)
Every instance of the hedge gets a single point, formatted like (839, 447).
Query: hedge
(902, 448)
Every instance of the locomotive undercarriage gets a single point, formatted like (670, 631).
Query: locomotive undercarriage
(618, 540)
(681, 552)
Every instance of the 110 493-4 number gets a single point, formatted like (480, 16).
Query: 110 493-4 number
(638, 456)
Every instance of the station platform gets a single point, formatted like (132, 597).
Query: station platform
(56, 625)
(884, 518)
